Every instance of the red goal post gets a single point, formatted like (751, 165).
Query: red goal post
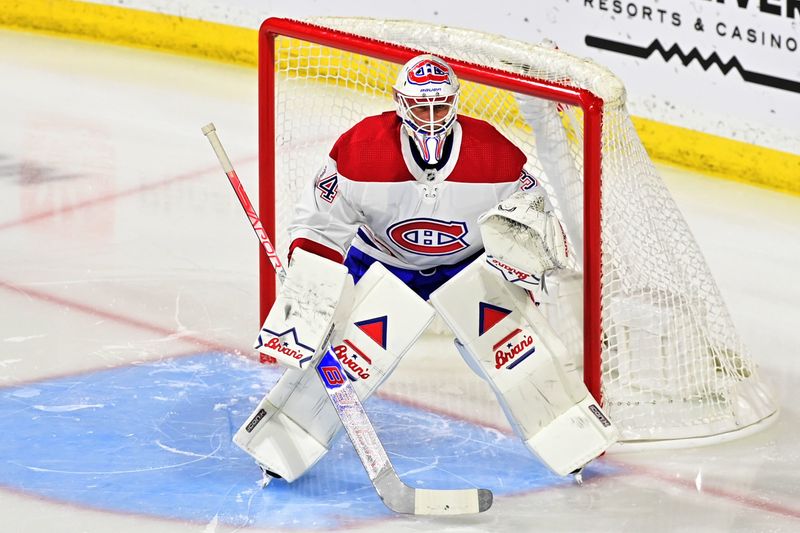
(313, 58)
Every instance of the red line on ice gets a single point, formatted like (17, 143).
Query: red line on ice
(115, 317)
(90, 202)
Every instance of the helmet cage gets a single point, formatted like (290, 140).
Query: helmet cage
(428, 121)
(426, 95)
(431, 116)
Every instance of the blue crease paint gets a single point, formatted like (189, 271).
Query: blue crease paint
(155, 439)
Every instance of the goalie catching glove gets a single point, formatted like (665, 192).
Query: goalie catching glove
(523, 238)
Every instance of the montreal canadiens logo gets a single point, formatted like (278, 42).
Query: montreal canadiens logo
(428, 236)
(428, 71)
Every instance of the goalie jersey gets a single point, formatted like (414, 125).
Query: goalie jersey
(375, 199)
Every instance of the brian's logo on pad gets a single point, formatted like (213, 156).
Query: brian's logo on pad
(355, 363)
(282, 345)
(283, 348)
(511, 273)
(428, 236)
(512, 349)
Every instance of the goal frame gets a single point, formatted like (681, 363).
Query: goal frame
(592, 107)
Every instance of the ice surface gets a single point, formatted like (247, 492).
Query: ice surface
(128, 302)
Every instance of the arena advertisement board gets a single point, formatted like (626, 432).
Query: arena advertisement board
(729, 68)
(726, 67)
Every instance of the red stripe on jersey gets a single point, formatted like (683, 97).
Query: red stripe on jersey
(486, 156)
(370, 152)
(317, 249)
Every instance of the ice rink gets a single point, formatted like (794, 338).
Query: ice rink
(128, 307)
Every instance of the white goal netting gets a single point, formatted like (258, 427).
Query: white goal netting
(672, 364)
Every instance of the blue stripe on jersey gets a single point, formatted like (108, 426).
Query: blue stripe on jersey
(364, 237)
(422, 282)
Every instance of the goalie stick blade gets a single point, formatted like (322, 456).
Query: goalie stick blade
(452, 502)
(395, 494)
(401, 498)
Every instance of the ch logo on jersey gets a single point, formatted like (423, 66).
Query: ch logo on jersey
(429, 236)
(526, 181)
(329, 187)
(428, 71)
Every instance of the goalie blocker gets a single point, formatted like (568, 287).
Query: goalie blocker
(293, 426)
(506, 340)
(316, 294)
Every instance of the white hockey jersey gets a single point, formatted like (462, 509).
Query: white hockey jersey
(372, 195)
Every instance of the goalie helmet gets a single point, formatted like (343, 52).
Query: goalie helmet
(426, 94)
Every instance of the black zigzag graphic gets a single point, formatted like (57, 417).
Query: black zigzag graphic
(694, 54)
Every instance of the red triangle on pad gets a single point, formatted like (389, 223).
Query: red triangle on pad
(375, 329)
(489, 316)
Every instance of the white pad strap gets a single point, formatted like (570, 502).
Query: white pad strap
(314, 296)
(292, 428)
(535, 380)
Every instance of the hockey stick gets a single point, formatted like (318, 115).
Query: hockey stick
(395, 494)
(211, 133)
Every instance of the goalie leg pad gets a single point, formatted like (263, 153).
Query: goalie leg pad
(574, 438)
(504, 336)
(293, 427)
(284, 444)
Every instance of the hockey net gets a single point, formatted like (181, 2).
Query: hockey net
(657, 343)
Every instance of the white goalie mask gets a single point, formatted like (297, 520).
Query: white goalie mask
(426, 94)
